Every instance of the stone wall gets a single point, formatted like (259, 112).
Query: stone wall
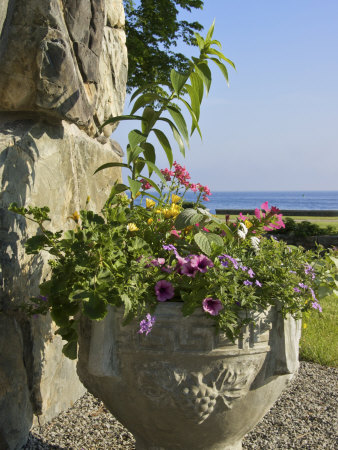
(63, 72)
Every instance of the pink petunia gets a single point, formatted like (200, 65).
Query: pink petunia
(212, 306)
(164, 290)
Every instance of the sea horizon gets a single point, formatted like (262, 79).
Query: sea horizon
(291, 199)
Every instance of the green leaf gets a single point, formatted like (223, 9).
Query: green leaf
(120, 119)
(157, 171)
(135, 137)
(176, 134)
(149, 153)
(187, 218)
(203, 71)
(193, 117)
(178, 80)
(197, 85)
(112, 164)
(70, 350)
(210, 32)
(180, 122)
(223, 69)
(203, 242)
(96, 307)
(200, 40)
(146, 99)
(150, 116)
(138, 166)
(132, 154)
(153, 184)
(195, 104)
(116, 189)
(135, 186)
(163, 140)
(213, 51)
(36, 243)
(127, 304)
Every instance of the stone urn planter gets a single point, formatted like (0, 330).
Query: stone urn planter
(183, 386)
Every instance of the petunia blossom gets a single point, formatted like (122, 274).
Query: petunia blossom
(164, 290)
(146, 324)
(201, 262)
(212, 306)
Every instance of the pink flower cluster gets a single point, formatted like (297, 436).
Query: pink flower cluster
(183, 177)
(272, 213)
(145, 184)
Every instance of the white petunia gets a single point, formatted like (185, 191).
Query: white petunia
(255, 243)
(243, 231)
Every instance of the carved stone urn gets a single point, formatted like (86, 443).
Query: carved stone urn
(183, 386)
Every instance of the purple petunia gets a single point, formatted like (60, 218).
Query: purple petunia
(257, 283)
(212, 306)
(224, 262)
(302, 285)
(309, 270)
(296, 289)
(201, 263)
(247, 283)
(251, 273)
(146, 324)
(164, 290)
(188, 270)
(171, 248)
(316, 305)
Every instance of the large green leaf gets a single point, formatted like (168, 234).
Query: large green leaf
(203, 71)
(194, 99)
(163, 140)
(135, 137)
(178, 80)
(200, 40)
(205, 240)
(111, 164)
(213, 51)
(127, 304)
(70, 350)
(197, 85)
(120, 119)
(135, 186)
(150, 116)
(176, 134)
(193, 117)
(222, 67)
(146, 99)
(96, 307)
(149, 153)
(180, 122)
(210, 32)
(187, 218)
(35, 243)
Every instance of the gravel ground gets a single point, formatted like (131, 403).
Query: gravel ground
(305, 417)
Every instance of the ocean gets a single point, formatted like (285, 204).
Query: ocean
(307, 200)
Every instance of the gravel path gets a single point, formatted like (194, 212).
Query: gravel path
(305, 417)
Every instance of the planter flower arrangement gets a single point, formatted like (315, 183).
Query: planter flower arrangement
(145, 248)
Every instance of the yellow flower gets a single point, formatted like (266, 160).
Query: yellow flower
(132, 227)
(174, 210)
(248, 224)
(158, 211)
(137, 194)
(150, 221)
(150, 203)
(167, 213)
(75, 216)
(175, 198)
(304, 325)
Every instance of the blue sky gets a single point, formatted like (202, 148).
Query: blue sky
(276, 126)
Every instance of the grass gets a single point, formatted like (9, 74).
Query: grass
(319, 341)
(322, 222)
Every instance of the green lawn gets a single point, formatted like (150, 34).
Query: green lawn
(319, 342)
(320, 221)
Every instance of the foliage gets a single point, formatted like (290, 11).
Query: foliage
(153, 30)
(319, 342)
(305, 228)
(147, 248)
